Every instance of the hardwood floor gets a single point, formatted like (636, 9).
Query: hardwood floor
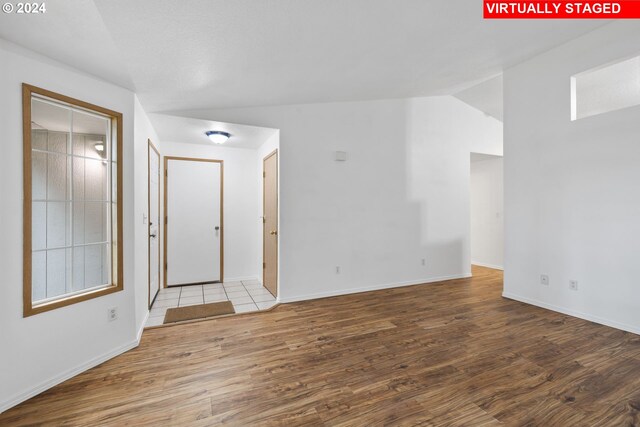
(447, 354)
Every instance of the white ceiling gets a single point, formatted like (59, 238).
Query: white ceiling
(485, 96)
(194, 54)
(72, 32)
(185, 129)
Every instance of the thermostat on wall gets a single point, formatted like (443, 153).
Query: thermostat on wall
(341, 156)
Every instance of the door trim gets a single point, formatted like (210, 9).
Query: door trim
(264, 224)
(166, 198)
(150, 147)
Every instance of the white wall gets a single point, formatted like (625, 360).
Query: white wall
(42, 350)
(402, 195)
(143, 131)
(572, 194)
(242, 187)
(487, 212)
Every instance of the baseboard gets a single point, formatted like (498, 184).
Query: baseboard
(371, 288)
(573, 313)
(141, 328)
(10, 403)
(484, 264)
(238, 279)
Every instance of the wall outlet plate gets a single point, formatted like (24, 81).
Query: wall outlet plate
(544, 279)
(573, 285)
(112, 314)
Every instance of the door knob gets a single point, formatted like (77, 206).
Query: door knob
(273, 232)
(152, 236)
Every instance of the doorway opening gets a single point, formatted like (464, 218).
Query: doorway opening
(219, 217)
(270, 223)
(487, 211)
(154, 221)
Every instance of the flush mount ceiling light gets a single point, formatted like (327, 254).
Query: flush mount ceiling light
(217, 136)
(99, 147)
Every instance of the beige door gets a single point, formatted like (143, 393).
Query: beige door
(270, 223)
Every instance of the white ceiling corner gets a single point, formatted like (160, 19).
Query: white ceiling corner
(486, 96)
(71, 32)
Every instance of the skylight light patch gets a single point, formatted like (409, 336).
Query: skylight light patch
(604, 89)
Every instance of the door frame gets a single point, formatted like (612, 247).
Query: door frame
(166, 214)
(150, 147)
(264, 224)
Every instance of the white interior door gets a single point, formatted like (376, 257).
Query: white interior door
(194, 222)
(154, 223)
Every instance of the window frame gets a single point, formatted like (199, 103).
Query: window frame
(117, 282)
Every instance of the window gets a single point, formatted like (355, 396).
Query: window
(603, 89)
(72, 200)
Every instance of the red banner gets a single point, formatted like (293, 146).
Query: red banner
(587, 9)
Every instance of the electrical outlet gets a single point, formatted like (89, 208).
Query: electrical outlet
(112, 314)
(424, 261)
(544, 279)
(338, 269)
(573, 285)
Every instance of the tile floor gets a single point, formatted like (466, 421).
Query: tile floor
(247, 295)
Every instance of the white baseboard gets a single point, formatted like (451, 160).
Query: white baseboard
(15, 400)
(574, 313)
(371, 288)
(141, 328)
(484, 264)
(238, 279)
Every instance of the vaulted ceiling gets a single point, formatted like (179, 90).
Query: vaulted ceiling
(191, 54)
(485, 96)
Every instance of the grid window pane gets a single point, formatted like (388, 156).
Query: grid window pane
(106, 264)
(57, 224)
(39, 175)
(78, 145)
(95, 147)
(114, 174)
(95, 184)
(78, 178)
(94, 265)
(38, 226)
(114, 238)
(57, 177)
(39, 276)
(78, 223)
(56, 272)
(71, 200)
(78, 268)
(95, 229)
(39, 139)
(58, 142)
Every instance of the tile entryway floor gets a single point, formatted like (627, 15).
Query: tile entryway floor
(247, 295)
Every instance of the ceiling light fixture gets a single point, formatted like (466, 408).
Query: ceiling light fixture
(99, 147)
(217, 136)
